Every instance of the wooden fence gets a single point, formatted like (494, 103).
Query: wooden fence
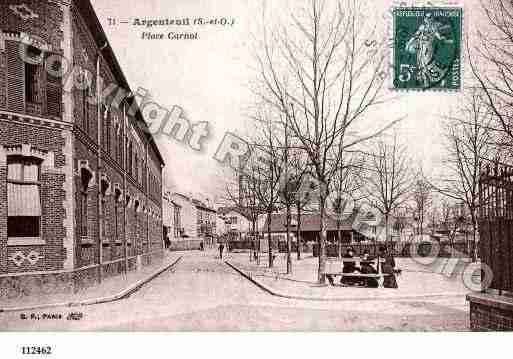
(496, 223)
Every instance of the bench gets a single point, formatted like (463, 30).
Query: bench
(333, 269)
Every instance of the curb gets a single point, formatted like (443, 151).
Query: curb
(336, 299)
(121, 295)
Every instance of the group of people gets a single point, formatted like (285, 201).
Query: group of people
(367, 267)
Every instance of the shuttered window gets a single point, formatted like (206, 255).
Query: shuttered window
(15, 78)
(33, 75)
(23, 198)
(28, 82)
(54, 92)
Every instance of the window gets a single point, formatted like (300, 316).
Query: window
(120, 144)
(104, 190)
(106, 124)
(136, 165)
(233, 220)
(117, 199)
(129, 157)
(87, 91)
(24, 198)
(53, 87)
(136, 222)
(141, 171)
(83, 213)
(33, 76)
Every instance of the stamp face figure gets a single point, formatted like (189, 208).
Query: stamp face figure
(427, 48)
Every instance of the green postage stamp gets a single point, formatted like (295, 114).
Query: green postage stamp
(427, 48)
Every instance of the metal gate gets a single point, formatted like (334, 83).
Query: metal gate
(496, 223)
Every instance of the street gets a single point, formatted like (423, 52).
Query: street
(203, 293)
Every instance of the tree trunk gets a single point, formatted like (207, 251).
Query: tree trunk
(254, 240)
(474, 239)
(289, 243)
(339, 240)
(386, 230)
(269, 244)
(298, 231)
(322, 242)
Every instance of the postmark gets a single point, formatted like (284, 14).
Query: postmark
(427, 48)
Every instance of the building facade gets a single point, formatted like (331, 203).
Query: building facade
(188, 222)
(233, 223)
(172, 218)
(80, 179)
(205, 221)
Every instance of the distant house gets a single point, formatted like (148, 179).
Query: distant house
(171, 219)
(309, 227)
(373, 227)
(188, 223)
(205, 220)
(234, 222)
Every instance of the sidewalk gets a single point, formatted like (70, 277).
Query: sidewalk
(111, 289)
(416, 281)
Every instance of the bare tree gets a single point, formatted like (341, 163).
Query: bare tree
(422, 200)
(491, 62)
(451, 219)
(323, 69)
(388, 181)
(268, 177)
(346, 187)
(240, 192)
(468, 143)
(300, 172)
(287, 192)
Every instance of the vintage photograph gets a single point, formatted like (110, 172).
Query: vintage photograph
(255, 166)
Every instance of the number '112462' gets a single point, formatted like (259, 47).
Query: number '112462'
(36, 350)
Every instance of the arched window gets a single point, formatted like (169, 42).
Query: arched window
(129, 157)
(117, 200)
(24, 197)
(85, 179)
(136, 221)
(105, 191)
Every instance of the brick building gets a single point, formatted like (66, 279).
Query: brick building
(80, 179)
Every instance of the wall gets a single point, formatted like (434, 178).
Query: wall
(185, 245)
(490, 312)
(36, 18)
(35, 126)
(140, 197)
(69, 140)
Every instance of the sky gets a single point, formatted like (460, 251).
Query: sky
(209, 79)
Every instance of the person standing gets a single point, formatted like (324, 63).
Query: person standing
(221, 249)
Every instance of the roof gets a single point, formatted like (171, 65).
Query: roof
(198, 204)
(309, 223)
(180, 195)
(90, 18)
(245, 212)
